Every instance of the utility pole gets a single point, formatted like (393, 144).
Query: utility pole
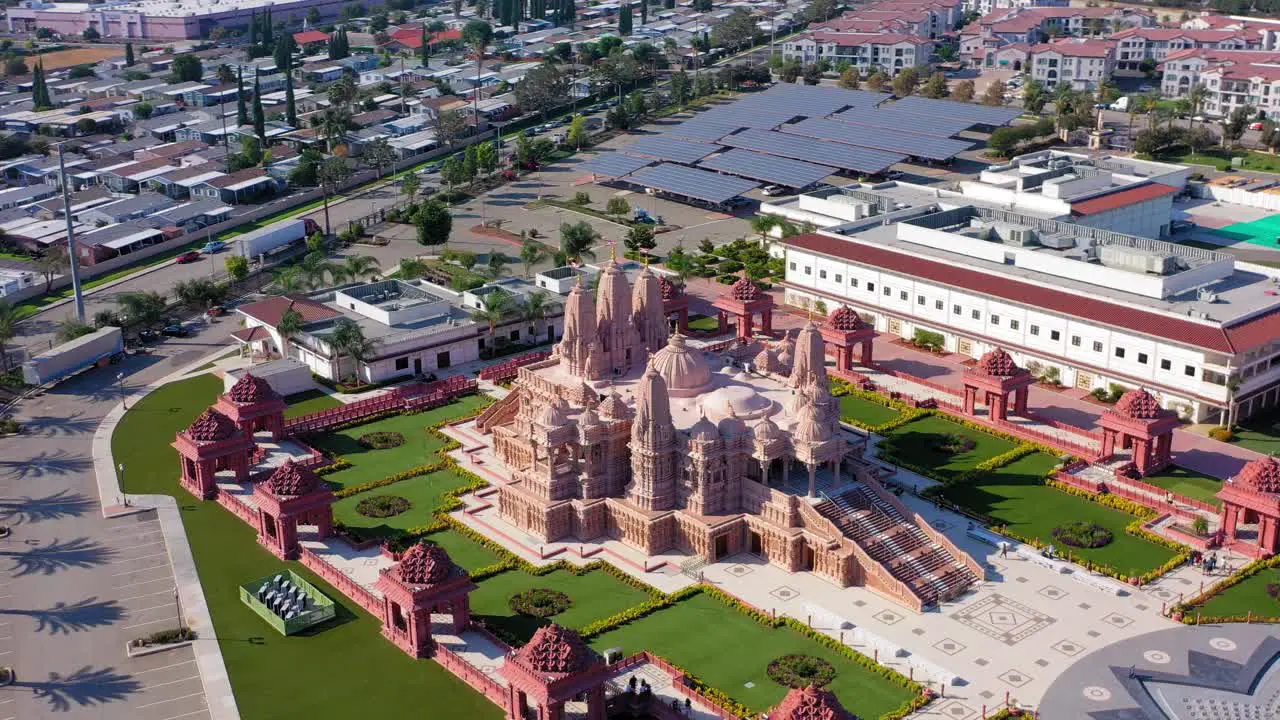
(72, 252)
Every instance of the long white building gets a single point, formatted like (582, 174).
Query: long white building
(1099, 306)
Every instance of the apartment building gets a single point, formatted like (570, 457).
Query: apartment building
(1231, 78)
(1088, 305)
(1139, 46)
(982, 7)
(981, 40)
(1080, 64)
(868, 52)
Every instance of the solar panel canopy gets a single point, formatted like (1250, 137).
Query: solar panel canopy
(674, 149)
(839, 155)
(767, 168)
(889, 119)
(975, 114)
(615, 165)
(688, 182)
(921, 146)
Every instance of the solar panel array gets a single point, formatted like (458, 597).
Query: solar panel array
(615, 165)
(699, 129)
(688, 182)
(665, 148)
(921, 146)
(765, 168)
(838, 155)
(890, 119)
(975, 114)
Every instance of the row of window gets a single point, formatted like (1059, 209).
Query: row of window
(1034, 330)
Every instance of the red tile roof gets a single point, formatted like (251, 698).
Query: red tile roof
(1088, 308)
(411, 36)
(270, 311)
(256, 332)
(1121, 198)
(310, 36)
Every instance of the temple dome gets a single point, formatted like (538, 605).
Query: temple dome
(704, 431)
(554, 414)
(613, 407)
(740, 400)
(251, 389)
(212, 426)
(810, 703)
(425, 564)
(998, 363)
(744, 290)
(845, 319)
(683, 369)
(731, 425)
(810, 426)
(1261, 475)
(559, 650)
(291, 480)
(763, 361)
(1138, 405)
(767, 430)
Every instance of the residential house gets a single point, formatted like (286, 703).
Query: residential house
(250, 185)
(1081, 64)
(1141, 49)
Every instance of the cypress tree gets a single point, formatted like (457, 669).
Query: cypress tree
(128, 55)
(335, 38)
(624, 20)
(259, 120)
(290, 111)
(426, 46)
(253, 29)
(644, 12)
(268, 32)
(242, 114)
(39, 89)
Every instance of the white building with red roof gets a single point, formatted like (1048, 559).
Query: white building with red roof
(1139, 47)
(867, 52)
(1031, 25)
(1078, 63)
(1099, 306)
(1231, 78)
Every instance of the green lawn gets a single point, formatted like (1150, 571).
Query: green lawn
(342, 669)
(425, 493)
(419, 447)
(1249, 596)
(919, 443)
(1015, 496)
(595, 595)
(704, 323)
(1259, 433)
(1186, 482)
(871, 413)
(464, 551)
(728, 650)
(223, 356)
(307, 402)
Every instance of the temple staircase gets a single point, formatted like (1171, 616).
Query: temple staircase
(931, 571)
(501, 412)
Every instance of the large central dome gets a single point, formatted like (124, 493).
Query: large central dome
(684, 369)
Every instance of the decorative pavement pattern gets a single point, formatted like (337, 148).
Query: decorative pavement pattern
(1003, 619)
(1211, 672)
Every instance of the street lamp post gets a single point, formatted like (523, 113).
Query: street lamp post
(124, 496)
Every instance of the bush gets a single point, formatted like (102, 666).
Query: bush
(1082, 534)
(727, 279)
(540, 602)
(383, 506)
(9, 426)
(956, 443)
(381, 440)
(1200, 526)
(799, 671)
(1100, 394)
(581, 198)
(164, 637)
(929, 340)
(1225, 434)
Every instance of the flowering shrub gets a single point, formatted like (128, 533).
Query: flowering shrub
(383, 506)
(540, 602)
(1082, 534)
(799, 671)
(381, 440)
(956, 443)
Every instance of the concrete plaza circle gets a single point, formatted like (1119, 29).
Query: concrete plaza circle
(1182, 673)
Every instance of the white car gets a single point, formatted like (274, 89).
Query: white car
(774, 190)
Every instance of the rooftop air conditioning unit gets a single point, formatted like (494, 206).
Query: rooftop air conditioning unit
(1207, 295)
(1022, 236)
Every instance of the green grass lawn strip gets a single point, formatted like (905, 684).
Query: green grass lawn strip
(596, 595)
(727, 649)
(342, 669)
(425, 493)
(704, 323)
(918, 443)
(419, 447)
(1187, 482)
(464, 551)
(1014, 496)
(1249, 596)
(852, 406)
(1259, 434)
(307, 402)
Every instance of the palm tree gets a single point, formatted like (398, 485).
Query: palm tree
(531, 253)
(534, 309)
(763, 225)
(575, 242)
(1196, 96)
(358, 267)
(289, 280)
(8, 329)
(348, 339)
(497, 264)
(497, 305)
(333, 124)
(289, 327)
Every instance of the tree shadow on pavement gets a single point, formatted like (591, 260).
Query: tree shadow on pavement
(85, 687)
(78, 553)
(63, 503)
(64, 619)
(56, 463)
(53, 426)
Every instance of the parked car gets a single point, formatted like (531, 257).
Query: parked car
(1145, 88)
(147, 335)
(431, 169)
(213, 246)
(189, 256)
(893, 175)
(738, 201)
(1255, 126)
(179, 331)
(774, 190)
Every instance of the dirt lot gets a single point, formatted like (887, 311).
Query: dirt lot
(77, 56)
